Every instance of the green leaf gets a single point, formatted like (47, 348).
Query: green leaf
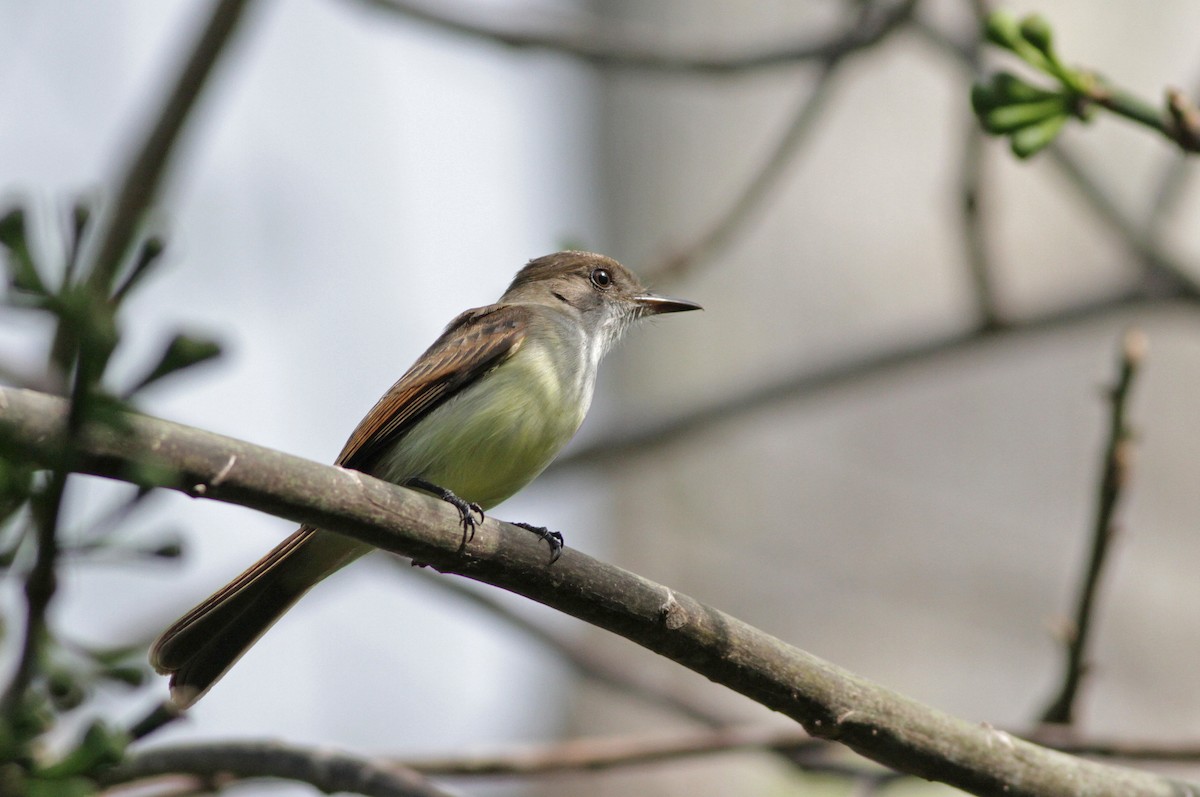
(1028, 141)
(23, 271)
(59, 787)
(1036, 30)
(1001, 28)
(181, 352)
(1011, 118)
(1012, 88)
(100, 746)
(130, 675)
(64, 690)
(148, 254)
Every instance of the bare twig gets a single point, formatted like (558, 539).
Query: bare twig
(603, 753)
(41, 582)
(971, 176)
(140, 184)
(619, 751)
(584, 659)
(978, 258)
(1177, 171)
(747, 202)
(1178, 120)
(608, 52)
(330, 772)
(829, 702)
(1180, 752)
(1162, 271)
(790, 388)
(1118, 454)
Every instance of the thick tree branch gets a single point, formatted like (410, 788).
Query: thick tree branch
(829, 702)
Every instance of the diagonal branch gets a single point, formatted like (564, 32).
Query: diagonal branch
(829, 702)
(621, 53)
(583, 658)
(139, 187)
(1114, 474)
(808, 383)
(329, 772)
(1159, 267)
(751, 198)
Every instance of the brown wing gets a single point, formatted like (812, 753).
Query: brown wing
(473, 344)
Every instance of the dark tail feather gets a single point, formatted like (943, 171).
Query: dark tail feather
(203, 644)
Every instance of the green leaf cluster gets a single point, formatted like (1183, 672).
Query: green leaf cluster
(1009, 105)
(56, 678)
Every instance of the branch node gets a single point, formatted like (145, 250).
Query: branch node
(672, 612)
(215, 481)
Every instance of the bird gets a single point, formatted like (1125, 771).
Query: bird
(476, 418)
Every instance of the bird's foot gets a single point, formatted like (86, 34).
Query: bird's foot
(467, 510)
(553, 538)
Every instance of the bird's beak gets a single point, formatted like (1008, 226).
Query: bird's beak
(650, 304)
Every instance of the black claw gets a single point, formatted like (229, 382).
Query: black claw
(467, 510)
(553, 538)
(466, 514)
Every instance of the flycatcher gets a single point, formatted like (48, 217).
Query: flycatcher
(476, 418)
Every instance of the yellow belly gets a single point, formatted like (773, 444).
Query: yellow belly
(495, 436)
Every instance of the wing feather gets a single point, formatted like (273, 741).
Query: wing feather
(473, 344)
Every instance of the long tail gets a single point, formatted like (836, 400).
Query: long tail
(203, 644)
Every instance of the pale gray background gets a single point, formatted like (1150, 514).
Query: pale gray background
(352, 181)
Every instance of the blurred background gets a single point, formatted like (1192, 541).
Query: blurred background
(880, 442)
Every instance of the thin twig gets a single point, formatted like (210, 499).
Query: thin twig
(41, 582)
(328, 771)
(1177, 171)
(619, 53)
(1178, 119)
(140, 185)
(971, 179)
(978, 256)
(166, 786)
(750, 199)
(584, 659)
(596, 753)
(586, 754)
(1118, 454)
(746, 203)
(1159, 267)
(612, 446)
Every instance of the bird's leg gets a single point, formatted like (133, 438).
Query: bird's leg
(467, 510)
(553, 538)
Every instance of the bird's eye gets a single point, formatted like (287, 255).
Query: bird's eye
(601, 278)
